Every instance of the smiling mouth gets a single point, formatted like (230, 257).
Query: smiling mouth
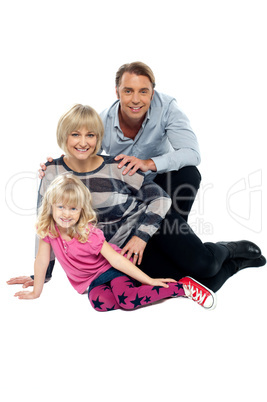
(136, 109)
(82, 149)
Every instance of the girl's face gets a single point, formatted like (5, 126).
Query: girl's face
(81, 143)
(65, 216)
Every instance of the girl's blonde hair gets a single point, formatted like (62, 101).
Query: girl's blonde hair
(66, 189)
(77, 117)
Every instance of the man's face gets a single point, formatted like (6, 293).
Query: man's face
(135, 93)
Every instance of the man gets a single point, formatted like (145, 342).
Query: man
(147, 131)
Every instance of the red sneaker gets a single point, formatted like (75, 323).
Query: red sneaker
(199, 293)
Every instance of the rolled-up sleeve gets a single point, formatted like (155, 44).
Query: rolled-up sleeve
(183, 140)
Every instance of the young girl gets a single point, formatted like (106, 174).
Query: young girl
(67, 223)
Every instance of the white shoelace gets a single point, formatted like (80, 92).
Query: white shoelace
(195, 294)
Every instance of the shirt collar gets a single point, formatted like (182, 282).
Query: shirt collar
(117, 122)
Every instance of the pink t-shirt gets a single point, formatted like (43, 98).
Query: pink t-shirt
(82, 262)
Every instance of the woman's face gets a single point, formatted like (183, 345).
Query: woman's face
(81, 143)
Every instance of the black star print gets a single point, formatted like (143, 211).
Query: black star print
(137, 301)
(131, 283)
(157, 288)
(112, 308)
(174, 294)
(147, 299)
(97, 303)
(179, 286)
(122, 298)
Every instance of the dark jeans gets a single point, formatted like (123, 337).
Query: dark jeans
(175, 251)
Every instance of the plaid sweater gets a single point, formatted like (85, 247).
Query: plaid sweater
(126, 205)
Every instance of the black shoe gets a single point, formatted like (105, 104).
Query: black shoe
(242, 263)
(242, 249)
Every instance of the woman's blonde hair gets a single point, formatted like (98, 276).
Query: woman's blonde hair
(77, 117)
(66, 189)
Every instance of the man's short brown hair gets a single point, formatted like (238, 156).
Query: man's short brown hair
(137, 68)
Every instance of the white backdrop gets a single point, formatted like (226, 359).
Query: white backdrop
(210, 55)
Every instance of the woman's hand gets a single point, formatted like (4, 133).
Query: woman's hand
(26, 295)
(43, 168)
(21, 280)
(134, 248)
(162, 282)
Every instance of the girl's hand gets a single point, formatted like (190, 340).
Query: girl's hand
(26, 295)
(135, 249)
(162, 282)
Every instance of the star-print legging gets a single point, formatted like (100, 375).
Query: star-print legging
(122, 293)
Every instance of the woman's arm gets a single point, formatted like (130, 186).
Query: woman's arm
(40, 267)
(128, 268)
(157, 203)
(134, 249)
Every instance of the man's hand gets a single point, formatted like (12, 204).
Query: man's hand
(43, 168)
(26, 281)
(135, 164)
(134, 248)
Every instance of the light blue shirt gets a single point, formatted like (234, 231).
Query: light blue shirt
(166, 136)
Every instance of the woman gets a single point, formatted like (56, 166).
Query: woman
(130, 211)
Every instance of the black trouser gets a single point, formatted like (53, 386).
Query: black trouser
(175, 251)
(182, 186)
